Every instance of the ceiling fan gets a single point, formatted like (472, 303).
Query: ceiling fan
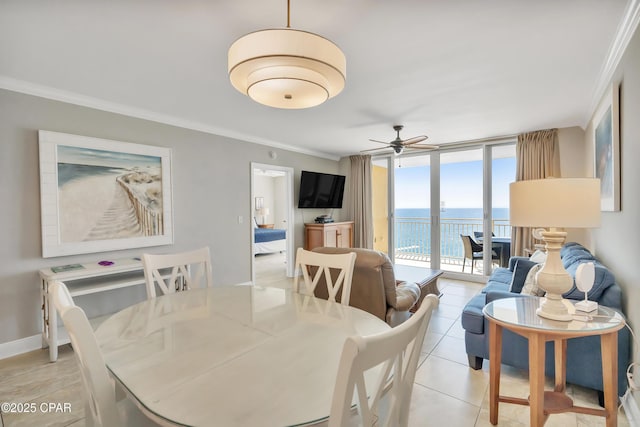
(398, 145)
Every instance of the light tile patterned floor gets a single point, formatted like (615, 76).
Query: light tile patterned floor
(446, 393)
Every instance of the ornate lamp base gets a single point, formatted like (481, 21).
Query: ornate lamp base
(554, 279)
(554, 309)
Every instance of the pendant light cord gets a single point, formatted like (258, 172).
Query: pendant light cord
(288, 13)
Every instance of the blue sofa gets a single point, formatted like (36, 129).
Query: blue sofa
(584, 362)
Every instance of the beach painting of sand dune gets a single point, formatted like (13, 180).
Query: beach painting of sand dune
(100, 195)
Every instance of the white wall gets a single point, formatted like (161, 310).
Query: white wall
(263, 187)
(617, 241)
(572, 152)
(211, 189)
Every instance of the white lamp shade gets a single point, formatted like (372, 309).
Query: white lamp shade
(286, 68)
(555, 202)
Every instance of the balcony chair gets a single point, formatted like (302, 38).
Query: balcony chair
(374, 287)
(474, 251)
(321, 266)
(188, 270)
(101, 407)
(477, 235)
(386, 400)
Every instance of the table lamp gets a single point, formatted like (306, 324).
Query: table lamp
(555, 203)
(264, 212)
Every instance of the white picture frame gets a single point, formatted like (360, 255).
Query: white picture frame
(99, 195)
(606, 149)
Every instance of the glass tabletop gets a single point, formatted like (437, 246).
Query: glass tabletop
(521, 312)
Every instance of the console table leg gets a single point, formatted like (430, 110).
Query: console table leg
(52, 327)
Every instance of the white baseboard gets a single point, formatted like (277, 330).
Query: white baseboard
(23, 345)
(631, 409)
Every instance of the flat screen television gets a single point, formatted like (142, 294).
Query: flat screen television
(320, 190)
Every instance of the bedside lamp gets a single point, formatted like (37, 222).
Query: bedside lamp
(555, 203)
(264, 212)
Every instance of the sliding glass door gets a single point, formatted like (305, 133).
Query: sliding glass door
(412, 210)
(440, 209)
(461, 210)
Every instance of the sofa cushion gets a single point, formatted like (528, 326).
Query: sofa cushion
(495, 286)
(472, 316)
(538, 256)
(604, 278)
(520, 275)
(531, 283)
(574, 254)
(501, 275)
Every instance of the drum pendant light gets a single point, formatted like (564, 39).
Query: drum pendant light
(287, 68)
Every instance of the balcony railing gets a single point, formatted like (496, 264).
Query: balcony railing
(413, 237)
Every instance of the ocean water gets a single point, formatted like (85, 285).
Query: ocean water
(498, 213)
(413, 233)
(68, 172)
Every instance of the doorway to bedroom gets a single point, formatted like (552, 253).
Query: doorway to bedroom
(271, 223)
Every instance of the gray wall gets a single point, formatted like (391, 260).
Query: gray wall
(617, 241)
(211, 188)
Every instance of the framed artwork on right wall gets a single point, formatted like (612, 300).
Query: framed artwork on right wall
(606, 149)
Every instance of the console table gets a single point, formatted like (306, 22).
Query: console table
(90, 278)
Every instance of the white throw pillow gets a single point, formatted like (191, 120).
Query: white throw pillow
(531, 283)
(538, 256)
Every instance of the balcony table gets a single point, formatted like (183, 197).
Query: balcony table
(238, 355)
(503, 244)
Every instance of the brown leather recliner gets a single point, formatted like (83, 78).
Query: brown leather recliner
(374, 287)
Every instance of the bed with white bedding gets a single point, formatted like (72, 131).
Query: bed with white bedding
(269, 240)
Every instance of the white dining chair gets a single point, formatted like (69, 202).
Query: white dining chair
(396, 351)
(188, 270)
(321, 265)
(101, 407)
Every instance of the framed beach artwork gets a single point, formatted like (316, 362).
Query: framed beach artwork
(98, 195)
(606, 128)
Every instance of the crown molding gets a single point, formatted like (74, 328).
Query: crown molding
(47, 92)
(626, 29)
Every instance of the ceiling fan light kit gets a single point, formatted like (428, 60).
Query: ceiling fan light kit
(287, 68)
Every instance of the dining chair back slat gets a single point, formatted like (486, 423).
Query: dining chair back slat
(177, 272)
(396, 352)
(100, 406)
(314, 265)
(103, 406)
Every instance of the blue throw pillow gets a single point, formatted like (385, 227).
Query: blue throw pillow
(520, 272)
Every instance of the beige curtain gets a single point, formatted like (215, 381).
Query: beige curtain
(537, 157)
(360, 209)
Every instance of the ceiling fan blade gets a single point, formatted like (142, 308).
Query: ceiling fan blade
(375, 149)
(379, 142)
(414, 140)
(423, 147)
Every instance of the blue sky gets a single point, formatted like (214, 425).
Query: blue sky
(460, 184)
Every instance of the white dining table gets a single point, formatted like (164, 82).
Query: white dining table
(231, 356)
